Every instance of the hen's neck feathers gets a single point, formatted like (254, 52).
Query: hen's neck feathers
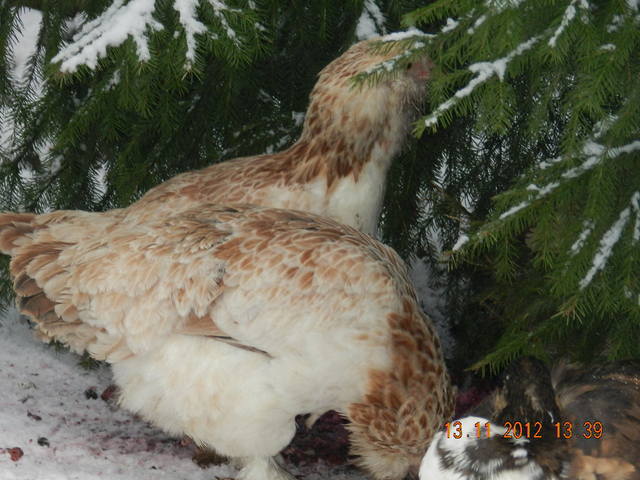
(348, 125)
(336, 169)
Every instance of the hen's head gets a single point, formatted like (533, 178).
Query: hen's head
(355, 117)
(407, 84)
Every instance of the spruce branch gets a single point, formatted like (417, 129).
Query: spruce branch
(137, 21)
(483, 72)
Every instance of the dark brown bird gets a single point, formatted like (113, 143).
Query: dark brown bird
(577, 423)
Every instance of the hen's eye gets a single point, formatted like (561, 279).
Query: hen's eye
(409, 65)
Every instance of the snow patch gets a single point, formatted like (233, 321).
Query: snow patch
(134, 20)
(114, 80)
(74, 24)
(451, 25)
(192, 26)
(588, 227)
(218, 9)
(616, 23)
(410, 33)
(569, 15)
(479, 21)
(514, 209)
(549, 162)
(595, 152)
(635, 204)
(601, 127)
(460, 242)
(540, 192)
(501, 5)
(371, 21)
(608, 241)
(110, 29)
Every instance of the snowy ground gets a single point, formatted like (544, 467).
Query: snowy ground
(65, 434)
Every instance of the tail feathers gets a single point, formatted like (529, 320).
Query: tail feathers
(39, 277)
(14, 230)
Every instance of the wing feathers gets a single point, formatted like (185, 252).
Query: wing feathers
(67, 312)
(196, 325)
(45, 253)
(118, 288)
(204, 326)
(35, 305)
(25, 286)
(115, 289)
(14, 227)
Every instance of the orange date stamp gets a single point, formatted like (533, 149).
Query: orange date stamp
(527, 430)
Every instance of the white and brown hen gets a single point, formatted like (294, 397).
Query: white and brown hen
(338, 166)
(574, 424)
(224, 323)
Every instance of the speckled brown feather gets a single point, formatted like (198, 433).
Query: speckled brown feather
(408, 404)
(118, 290)
(345, 128)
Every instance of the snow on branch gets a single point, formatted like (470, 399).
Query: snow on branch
(390, 64)
(578, 244)
(609, 240)
(501, 5)
(218, 10)
(410, 33)
(479, 21)
(450, 25)
(111, 28)
(371, 21)
(635, 204)
(595, 152)
(569, 15)
(483, 72)
(192, 26)
(462, 240)
(135, 19)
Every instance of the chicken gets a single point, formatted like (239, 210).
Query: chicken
(337, 168)
(224, 323)
(574, 424)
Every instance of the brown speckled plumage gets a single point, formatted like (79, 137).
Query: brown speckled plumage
(346, 129)
(327, 312)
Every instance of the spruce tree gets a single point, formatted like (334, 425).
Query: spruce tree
(549, 95)
(523, 172)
